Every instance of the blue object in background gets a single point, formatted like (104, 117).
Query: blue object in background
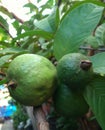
(9, 110)
(2, 87)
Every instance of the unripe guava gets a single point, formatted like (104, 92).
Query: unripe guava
(75, 70)
(32, 79)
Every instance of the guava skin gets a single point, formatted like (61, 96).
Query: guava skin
(68, 103)
(75, 70)
(34, 77)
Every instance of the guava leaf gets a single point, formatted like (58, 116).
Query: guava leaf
(11, 51)
(50, 23)
(76, 26)
(4, 59)
(92, 41)
(5, 11)
(40, 33)
(100, 34)
(95, 97)
(98, 61)
(3, 23)
(31, 6)
(3, 81)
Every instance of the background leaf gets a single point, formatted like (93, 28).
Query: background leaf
(3, 23)
(98, 61)
(92, 41)
(4, 81)
(5, 11)
(40, 33)
(31, 6)
(75, 27)
(95, 97)
(4, 59)
(11, 50)
(50, 23)
(100, 34)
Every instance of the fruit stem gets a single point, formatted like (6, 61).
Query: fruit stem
(12, 84)
(85, 65)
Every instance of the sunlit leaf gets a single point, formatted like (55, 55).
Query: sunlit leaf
(5, 11)
(50, 23)
(3, 23)
(31, 6)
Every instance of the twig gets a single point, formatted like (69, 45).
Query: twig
(59, 2)
(40, 118)
(86, 48)
(17, 18)
(14, 15)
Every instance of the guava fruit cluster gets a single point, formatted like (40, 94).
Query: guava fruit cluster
(33, 79)
(74, 72)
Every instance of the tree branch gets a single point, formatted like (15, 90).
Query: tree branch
(14, 15)
(41, 122)
(59, 3)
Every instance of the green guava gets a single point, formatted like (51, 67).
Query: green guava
(68, 103)
(31, 79)
(75, 70)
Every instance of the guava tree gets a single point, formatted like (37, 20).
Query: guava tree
(72, 26)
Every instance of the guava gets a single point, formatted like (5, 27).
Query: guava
(31, 79)
(75, 70)
(68, 103)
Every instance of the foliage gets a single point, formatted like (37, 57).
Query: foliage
(72, 26)
(19, 116)
(95, 96)
(63, 123)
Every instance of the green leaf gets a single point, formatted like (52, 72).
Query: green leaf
(38, 1)
(5, 11)
(76, 26)
(98, 61)
(4, 36)
(3, 81)
(3, 23)
(11, 51)
(4, 44)
(100, 34)
(40, 33)
(31, 6)
(16, 24)
(50, 23)
(44, 25)
(4, 59)
(92, 41)
(54, 19)
(95, 97)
